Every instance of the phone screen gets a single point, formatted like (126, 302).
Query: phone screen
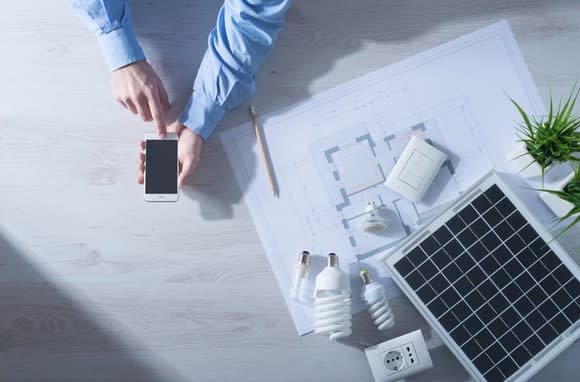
(161, 166)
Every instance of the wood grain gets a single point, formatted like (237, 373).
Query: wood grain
(96, 285)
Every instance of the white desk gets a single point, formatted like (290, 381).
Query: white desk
(96, 285)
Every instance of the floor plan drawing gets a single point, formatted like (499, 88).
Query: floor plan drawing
(332, 153)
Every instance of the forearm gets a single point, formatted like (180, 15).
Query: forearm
(237, 47)
(111, 21)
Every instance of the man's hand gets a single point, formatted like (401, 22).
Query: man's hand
(138, 88)
(188, 152)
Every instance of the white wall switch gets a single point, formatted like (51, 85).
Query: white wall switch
(398, 358)
(415, 169)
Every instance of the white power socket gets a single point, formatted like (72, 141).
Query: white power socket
(399, 357)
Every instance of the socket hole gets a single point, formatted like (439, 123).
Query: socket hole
(397, 358)
(412, 360)
(396, 368)
(388, 361)
(410, 355)
(408, 349)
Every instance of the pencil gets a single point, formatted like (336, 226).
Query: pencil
(263, 152)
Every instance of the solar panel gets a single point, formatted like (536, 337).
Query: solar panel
(486, 275)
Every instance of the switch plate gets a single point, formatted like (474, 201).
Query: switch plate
(415, 169)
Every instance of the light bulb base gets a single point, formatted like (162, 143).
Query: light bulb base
(332, 260)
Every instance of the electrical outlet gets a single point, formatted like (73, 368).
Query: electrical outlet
(399, 357)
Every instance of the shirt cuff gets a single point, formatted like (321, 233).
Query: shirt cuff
(201, 114)
(120, 47)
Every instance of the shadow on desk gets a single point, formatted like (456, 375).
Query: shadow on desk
(317, 36)
(45, 335)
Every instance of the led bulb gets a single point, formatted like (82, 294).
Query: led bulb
(373, 222)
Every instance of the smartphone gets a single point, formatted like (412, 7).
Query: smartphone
(161, 168)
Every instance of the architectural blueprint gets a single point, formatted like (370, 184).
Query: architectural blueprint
(331, 154)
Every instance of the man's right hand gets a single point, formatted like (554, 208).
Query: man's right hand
(138, 88)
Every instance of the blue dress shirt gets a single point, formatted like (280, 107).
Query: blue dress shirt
(237, 47)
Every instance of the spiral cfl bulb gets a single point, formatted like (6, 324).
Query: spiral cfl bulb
(374, 295)
(333, 301)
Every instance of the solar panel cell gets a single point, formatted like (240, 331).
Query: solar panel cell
(428, 269)
(404, 266)
(494, 375)
(547, 333)
(521, 355)
(429, 245)
(522, 331)
(450, 297)
(440, 258)
(455, 224)
(474, 299)
(481, 204)
(505, 207)
(501, 278)
(465, 262)
(471, 348)
(426, 293)
(415, 279)
(492, 217)
(534, 345)
(437, 307)
(490, 241)
(515, 244)
(484, 338)
(507, 367)
(504, 230)
(452, 272)
(572, 311)
(483, 363)
(468, 214)
(516, 220)
(442, 235)
(466, 238)
(476, 275)
(479, 227)
(460, 335)
(494, 193)
(417, 256)
(478, 251)
(509, 341)
(453, 249)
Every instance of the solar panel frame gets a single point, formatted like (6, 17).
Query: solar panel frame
(525, 356)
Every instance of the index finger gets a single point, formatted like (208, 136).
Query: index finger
(157, 113)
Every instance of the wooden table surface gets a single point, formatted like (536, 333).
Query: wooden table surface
(97, 285)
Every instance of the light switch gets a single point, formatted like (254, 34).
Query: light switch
(415, 170)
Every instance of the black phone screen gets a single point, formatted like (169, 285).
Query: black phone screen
(161, 166)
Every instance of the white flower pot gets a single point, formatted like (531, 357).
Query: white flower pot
(558, 206)
(523, 162)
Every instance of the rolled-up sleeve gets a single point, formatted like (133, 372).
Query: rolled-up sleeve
(237, 47)
(111, 21)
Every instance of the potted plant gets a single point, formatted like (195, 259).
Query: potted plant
(564, 201)
(547, 141)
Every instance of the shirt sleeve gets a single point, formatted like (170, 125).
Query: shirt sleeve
(111, 21)
(237, 47)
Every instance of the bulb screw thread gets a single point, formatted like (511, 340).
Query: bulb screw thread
(332, 260)
(304, 258)
(366, 277)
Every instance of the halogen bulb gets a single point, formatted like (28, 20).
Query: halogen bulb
(299, 290)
